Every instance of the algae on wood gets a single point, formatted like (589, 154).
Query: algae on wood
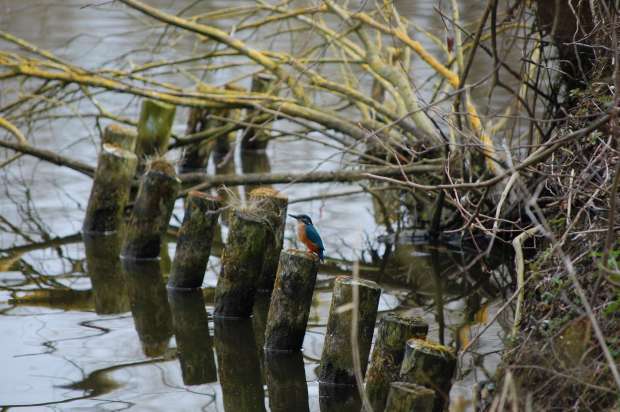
(409, 397)
(154, 127)
(337, 366)
(242, 261)
(151, 212)
(194, 242)
(121, 136)
(110, 191)
(388, 353)
(290, 301)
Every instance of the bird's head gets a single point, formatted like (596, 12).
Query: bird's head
(305, 219)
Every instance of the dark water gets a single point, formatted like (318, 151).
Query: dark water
(81, 331)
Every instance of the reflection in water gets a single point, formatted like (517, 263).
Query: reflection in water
(238, 366)
(191, 330)
(260, 310)
(149, 305)
(106, 275)
(339, 398)
(441, 323)
(286, 382)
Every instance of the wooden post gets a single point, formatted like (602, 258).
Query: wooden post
(151, 212)
(149, 306)
(195, 157)
(432, 365)
(408, 397)
(191, 330)
(274, 205)
(290, 301)
(110, 191)
(337, 367)
(194, 241)
(254, 161)
(242, 261)
(106, 275)
(257, 138)
(286, 382)
(388, 353)
(238, 367)
(154, 127)
(339, 398)
(120, 136)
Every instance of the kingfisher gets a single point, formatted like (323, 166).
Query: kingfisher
(308, 235)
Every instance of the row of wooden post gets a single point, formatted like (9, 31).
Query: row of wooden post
(404, 364)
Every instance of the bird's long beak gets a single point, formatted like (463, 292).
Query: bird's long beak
(294, 217)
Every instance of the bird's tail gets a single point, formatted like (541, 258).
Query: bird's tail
(321, 255)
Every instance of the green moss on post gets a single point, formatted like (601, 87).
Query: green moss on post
(337, 358)
(274, 205)
(191, 331)
(242, 261)
(388, 353)
(431, 365)
(257, 138)
(290, 301)
(110, 191)
(154, 127)
(409, 397)
(106, 275)
(238, 366)
(149, 305)
(120, 136)
(195, 240)
(286, 382)
(151, 212)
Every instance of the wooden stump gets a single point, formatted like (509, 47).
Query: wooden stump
(151, 212)
(388, 353)
(154, 127)
(242, 261)
(273, 204)
(337, 358)
(238, 367)
(290, 301)
(195, 240)
(254, 161)
(195, 157)
(409, 397)
(286, 382)
(257, 138)
(191, 330)
(431, 365)
(106, 274)
(110, 191)
(123, 137)
(149, 305)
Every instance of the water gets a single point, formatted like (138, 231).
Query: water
(78, 334)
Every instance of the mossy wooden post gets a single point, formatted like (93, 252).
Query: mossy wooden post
(286, 382)
(408, 397)
(242, 261)
(120, 136)
(337, 367)
(291, 300)
(154, 127)
(273, 204)
(257, 138)
(194, 241)
(110, 191)
(254, 161)
(191, 330)
(432, 365)
(388, 353)
(149, 305)
(195, 157)
(238, 366)
(106, 274)
(151, 212)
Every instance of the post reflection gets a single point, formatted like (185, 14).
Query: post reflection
(105, 272)
(191, 330)
(149, 305)
(286, 382)
(238, 366)
(339, 398)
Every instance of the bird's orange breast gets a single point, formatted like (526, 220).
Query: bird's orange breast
(301, 234)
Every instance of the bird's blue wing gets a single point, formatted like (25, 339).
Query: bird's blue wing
(314, 237)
